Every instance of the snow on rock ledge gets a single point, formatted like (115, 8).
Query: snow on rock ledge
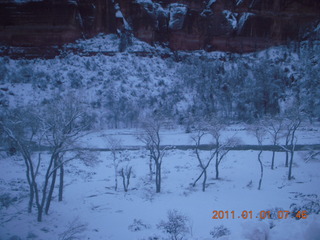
(210, 3)
(236, 20)
(153, 9)
(178, 13)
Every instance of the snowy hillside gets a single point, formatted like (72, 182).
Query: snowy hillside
(179, 85)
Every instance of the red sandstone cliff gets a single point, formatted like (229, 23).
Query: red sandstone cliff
(227, 25)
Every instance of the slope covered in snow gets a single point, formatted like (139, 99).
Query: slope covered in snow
(179, 85)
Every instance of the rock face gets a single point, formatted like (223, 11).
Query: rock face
(53, 22)
(226, 25)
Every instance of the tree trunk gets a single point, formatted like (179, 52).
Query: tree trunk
(53, 183)
(31, 189)
(40, 209)
(194, 184)
(290, 166)
(44, 191)
(158, 177)
(123, 180)
(272, 161)
(217, 165)
(31, 196)
(128, 178)
(204, 181)
(150, 168)
(61, 184)
(115, 178)
(261, 169)
(217, 169)
(287, 159)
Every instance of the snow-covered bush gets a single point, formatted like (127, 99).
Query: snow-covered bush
(24, 74)
(154, 237)
(74, 231)
(6, 200)
(176, 226)
(75, 79)
(219, 231)
(41, 80)
(138, 225)
(309, 203)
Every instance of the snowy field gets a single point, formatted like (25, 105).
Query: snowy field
(307, 134)
(90, 198)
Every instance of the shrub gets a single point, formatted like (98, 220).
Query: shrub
(219, 231)
(138, 225)
(309, 203)
(175, 226)
(75, 79)
(6, 200)
(74, 230)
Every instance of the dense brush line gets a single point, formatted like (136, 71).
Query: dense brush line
(119, 90)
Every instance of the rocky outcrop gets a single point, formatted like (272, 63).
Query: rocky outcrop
(226, 25)
(53, 22)
(236, 26)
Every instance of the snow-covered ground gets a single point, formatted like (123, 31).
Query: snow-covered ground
(307, 135)
(90, 197)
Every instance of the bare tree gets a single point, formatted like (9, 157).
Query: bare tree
(203, 164)
(115, 147)
(126, 174)
(312, 155)
(57, 126)
(291, 123)
(287, 136)
(222, 147)
(273, 127)
(119, 157)
(259, 132)
(18, 131)
(22, 128)
(151, 138)
(125, 170)
(63, 124)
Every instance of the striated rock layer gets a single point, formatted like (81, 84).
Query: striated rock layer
(53, 22)
(226, 25)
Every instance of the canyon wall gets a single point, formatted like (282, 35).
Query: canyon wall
(226, 25)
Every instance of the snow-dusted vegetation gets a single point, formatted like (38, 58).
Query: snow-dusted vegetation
(151, 144)
(182, 86)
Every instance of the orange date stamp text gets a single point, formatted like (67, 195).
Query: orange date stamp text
(259, 215)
